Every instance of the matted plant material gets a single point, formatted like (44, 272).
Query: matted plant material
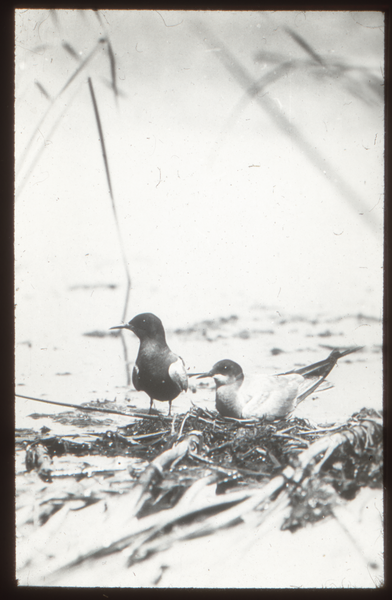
(159, 480)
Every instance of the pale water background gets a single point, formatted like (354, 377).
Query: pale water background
(221, 211)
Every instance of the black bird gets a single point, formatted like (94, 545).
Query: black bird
(269, 396)
(158, 371)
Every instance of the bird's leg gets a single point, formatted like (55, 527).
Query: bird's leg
(151, 404)
(170, 402)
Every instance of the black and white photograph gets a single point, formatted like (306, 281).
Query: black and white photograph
(199, 268)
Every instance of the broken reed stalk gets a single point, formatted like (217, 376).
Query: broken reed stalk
(118, 229)
(172, 456)
(359, 433)
(97, 409)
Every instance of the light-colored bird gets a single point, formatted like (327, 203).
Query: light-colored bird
(269, 396)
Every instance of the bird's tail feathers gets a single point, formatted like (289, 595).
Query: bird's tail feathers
(323, 367)
(310, 385)
(324, 386)
(316, 373)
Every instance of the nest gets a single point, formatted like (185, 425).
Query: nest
(191, 475)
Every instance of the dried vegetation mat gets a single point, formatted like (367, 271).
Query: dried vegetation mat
(139, 489)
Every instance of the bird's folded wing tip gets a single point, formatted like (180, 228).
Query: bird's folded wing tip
(178, 374)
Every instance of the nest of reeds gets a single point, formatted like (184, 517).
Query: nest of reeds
(160, 494)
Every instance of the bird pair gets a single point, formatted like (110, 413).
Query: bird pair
(162, 375)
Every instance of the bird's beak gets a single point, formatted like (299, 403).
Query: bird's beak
(201, 375)
(120, 327)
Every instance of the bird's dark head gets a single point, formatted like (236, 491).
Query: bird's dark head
(225, 372)
(145, 325)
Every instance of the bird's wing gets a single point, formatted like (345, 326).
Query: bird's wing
(135, 378)
(178, 374)
(271, 396)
